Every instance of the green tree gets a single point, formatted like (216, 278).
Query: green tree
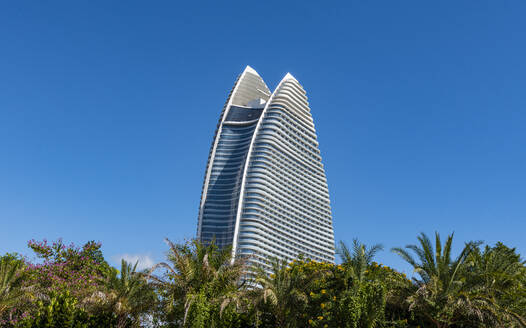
(496, 277)
(285, 291)
(128, 295)
(11, 285)
(77, 270)
(201, 285)
(62, 310)
(65, 280)
(361, 299)
(441, 286)
(359, 259)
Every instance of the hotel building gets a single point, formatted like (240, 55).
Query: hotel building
(265, 191)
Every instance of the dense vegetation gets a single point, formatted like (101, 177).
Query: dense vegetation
(200, 286)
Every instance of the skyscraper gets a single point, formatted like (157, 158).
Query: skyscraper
(265, 191)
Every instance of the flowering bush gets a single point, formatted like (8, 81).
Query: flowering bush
(57, 287)
(77, 270)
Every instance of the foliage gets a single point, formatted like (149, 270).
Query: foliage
(11, 291)
(62, 310)
(464, 292)
(364, 297)
(307, 293)
(285, 292)
(129, 294)
(74, 286)
(496, 280)
(202, 286)
(76, 270)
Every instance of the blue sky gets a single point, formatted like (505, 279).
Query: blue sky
(108, 109)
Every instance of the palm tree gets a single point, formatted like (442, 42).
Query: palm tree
(358, 260)
(284, 291)
(10, 282)
(199, 283)
(362, 297)
(496, 278)
(441, 286)
(129, 295)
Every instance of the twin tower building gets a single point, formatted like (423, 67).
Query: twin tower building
(265, 191)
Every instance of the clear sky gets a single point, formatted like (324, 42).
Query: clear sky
(108, 109)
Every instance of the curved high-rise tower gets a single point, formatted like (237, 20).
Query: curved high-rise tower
(265, 191)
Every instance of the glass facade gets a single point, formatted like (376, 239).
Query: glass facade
(225, 182)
